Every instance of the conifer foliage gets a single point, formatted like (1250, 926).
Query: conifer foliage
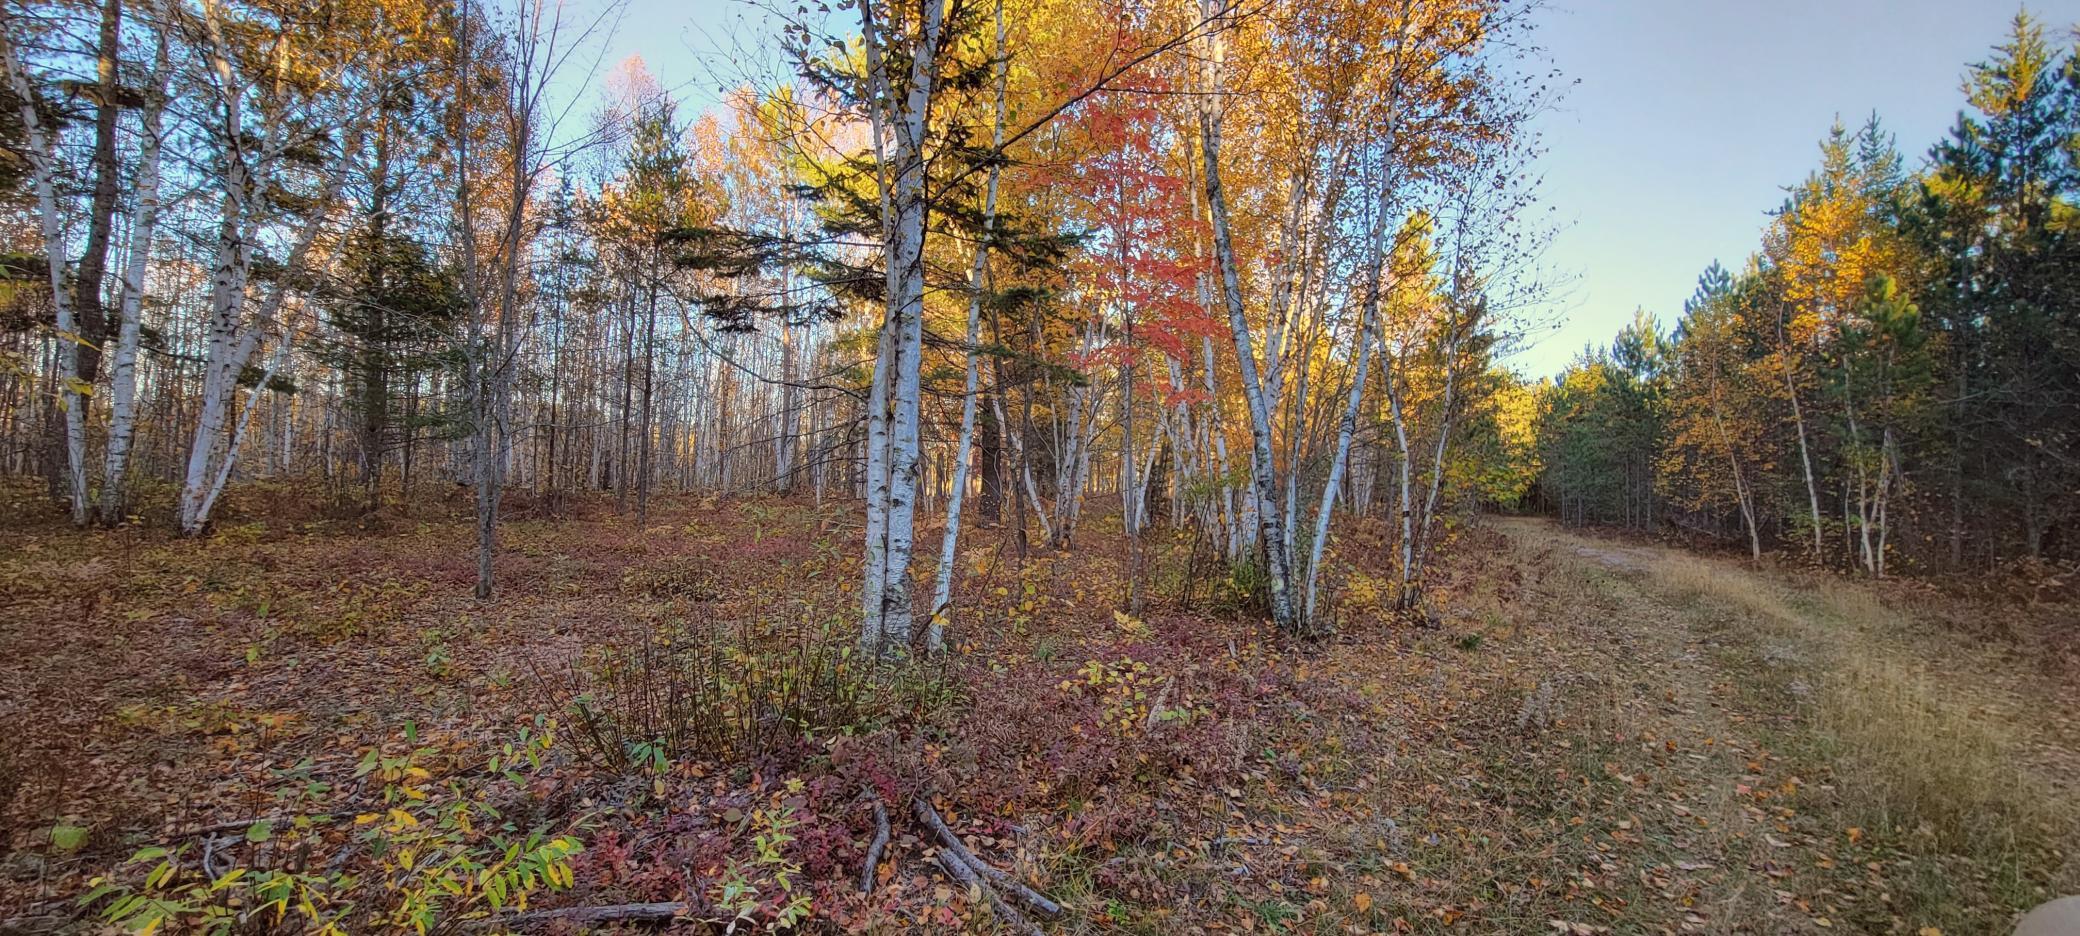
(1890, 382)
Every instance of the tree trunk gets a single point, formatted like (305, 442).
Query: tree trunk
(892, 489)
(70, 392)
(643, 443)
(1404, 597)
(622, 475)
(1740, 487)
(989, 457)
(232, 339)
(942, 592)
(1805, 459)
(122, 418)
(93, 261)
(1444, 438)
(1271, 525)
(1348, 427)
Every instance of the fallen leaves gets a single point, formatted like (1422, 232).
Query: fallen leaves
(1585, 824)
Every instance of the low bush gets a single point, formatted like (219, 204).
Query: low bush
(778, 676)
(426, 854)
(672, 580)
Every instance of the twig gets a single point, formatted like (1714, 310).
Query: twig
(1006, 914)
(866, 876)
(209, 858)
(1018, 890)
(612, 913)
(235, 825)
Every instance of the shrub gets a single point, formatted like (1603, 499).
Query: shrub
(429, 858)
(1247, 590)
(778, 676)
(673, 580)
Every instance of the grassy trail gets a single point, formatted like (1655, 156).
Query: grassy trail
(1793, 753)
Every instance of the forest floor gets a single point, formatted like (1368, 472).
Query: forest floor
(1592, 736)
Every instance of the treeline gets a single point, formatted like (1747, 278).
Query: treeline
(1244, 266)
(1892, 381)
(351, 244)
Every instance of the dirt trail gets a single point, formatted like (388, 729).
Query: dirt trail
(1616, 557)
(1808, 758)
(2029, 692)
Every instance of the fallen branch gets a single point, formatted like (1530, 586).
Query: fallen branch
(235, 825)
(209, 858)
(959, 850)
(38, 924)
(664, 912)
(965, 874)
(866, 875)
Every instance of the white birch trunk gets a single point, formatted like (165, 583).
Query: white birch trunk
(1740, 486)
(1375, 274)
(942, 591)
(42, 156)
(223, 359)
(1403, 599)
(245, 421)
(1805, 456)
(232, 340)
(122, 418)
(1444, 439)
(1271, 525)
(887, 598)
(1232, 524)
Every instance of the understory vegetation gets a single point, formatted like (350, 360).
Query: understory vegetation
(1005, 466)
(1594, 735)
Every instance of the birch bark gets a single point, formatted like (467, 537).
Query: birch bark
(122, 418)
(71, 391)
(1347, 429)
(942, 591)
(233, 340)
(894, 401)
(1270, 522)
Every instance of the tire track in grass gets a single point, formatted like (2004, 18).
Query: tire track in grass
(1877, 788)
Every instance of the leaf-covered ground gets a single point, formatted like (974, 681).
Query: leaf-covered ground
(1595, 736)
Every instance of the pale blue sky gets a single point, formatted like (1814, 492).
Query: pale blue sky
(1690, 119)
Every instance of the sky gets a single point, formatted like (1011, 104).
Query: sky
(1689, 120)
(1692, 117)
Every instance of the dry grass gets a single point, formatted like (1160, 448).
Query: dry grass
(1916, 762)
(1918, 726)
(1894, 752)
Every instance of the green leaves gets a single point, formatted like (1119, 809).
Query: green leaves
(66, 837)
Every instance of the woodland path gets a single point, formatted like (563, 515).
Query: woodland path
(1791, 752)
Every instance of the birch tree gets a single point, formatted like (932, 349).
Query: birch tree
(42, 155)
(144, 226)
(899, 104)
(942, 589)
(1264, 491)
